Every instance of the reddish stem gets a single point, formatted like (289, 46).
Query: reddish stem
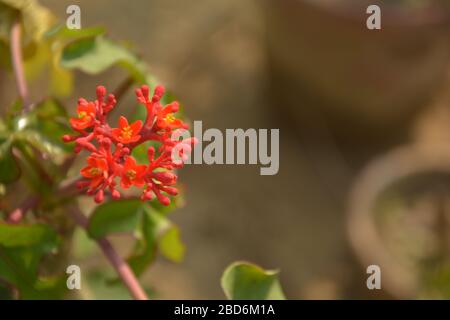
(16, 54)
(122, 268)
(122, 89)
(17, 215)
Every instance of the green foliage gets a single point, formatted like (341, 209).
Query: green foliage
(32, 155)
(140, 151)
(115, 217)
(35, 19)
(9, 169)
(95, 55)
(154, 232)
(27, 235)
(99, 286)
(39, 130)
(171, 246)
(21, 249)
(144, 251)
(246, 281)
(49, 119)
(35, 137)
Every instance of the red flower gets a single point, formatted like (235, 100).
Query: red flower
(127, 133)
(165, 118)
(110, 148)
(132, 174)
(86, 115)
(96, 171)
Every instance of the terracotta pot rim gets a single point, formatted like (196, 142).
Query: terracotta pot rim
(392, 15)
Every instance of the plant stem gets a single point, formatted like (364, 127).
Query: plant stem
(123, 87)
(122, 268)
(31, 202)
(17, 215)
(16, 54)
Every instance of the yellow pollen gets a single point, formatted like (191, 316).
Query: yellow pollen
(95, 171)
(82, 114)
(131, 174)
(169, 117)
(127, 132)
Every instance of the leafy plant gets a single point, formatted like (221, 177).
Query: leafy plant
(42, 203)
(246, 281)
(40, 197)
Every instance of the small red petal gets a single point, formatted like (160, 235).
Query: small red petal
(123, 122)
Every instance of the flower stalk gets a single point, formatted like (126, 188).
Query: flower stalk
(122, 268)
(17, 62)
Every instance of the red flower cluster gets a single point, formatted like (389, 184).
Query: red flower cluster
(110, 148)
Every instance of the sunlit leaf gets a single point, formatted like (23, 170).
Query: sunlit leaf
(171, 246)
(43, 128)
(35, 18)
(41, 143)
(61, 32)
(246, 281)
(95, 55)
(36, 62)
(61, 80)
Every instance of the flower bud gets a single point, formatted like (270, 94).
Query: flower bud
(99, 196)
(101, 91)
(115, 194)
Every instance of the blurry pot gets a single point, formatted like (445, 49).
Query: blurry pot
(397, 220)
(325, 62)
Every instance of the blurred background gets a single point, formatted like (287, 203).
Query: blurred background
(364, 118)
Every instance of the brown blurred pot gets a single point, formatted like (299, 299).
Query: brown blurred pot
(326, 63)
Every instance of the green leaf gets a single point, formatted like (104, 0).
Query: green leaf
(50, 118)
(83, 247)
(171, 246)
(61, 32)
(19, 267)
(42, 143)
(36, 61)
(144, 251)
(27, 235)
(9, 169)
(36, 19)
(61, 80)
(246, 281)
(115, 217)
(42, 129)
(95, 55)
(49, 109)
(156, 233)
(22, 248)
